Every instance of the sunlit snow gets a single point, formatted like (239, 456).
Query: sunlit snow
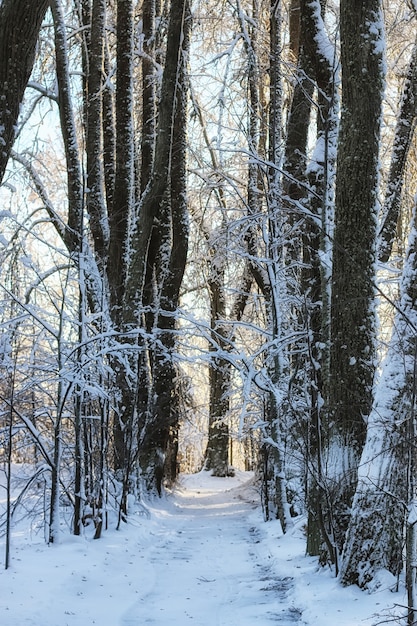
(201, 556)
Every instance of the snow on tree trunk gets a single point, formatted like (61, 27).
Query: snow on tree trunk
(319, 58)
(119, 216)
(375, 535)
(217, 452)
(270, 279)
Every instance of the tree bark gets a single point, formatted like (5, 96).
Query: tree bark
(314, 276)
(20, 23)
(148, 93)
(94, 134)
(352, 350)
(217, 452)
(160, 256)
(72, 234)
(404, 133)
(376, 530)
(158, 185)
(120, 213)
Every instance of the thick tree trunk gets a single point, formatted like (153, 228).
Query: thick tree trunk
(314, 274)
(165, 260)
(294, 30)
(180, 236)
(20, 23)
(295, 157)
(120, 213)
(94, 134)
(217, 452)
(352, 350)
(109, 132)
(376, 531)
(158, 185)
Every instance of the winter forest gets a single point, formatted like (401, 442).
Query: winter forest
(208, 254)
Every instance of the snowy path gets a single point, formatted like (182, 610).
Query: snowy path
(197, 559)
(203, 557)
(203, 568)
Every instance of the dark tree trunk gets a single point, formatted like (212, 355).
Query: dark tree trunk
(158, 274)
(217, 452)
(295, 157)
(20, 23)
(158, 186)
(121, 210)
(295, 27)
(109, 132)
(313, 275)
(352, 349)
(404, 133)
(94, 133)
(73, 234)
(148, 93)
(274, 498)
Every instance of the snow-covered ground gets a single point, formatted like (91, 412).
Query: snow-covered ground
(203, 556)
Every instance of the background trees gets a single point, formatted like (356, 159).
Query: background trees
(248, 265)
(128, 278)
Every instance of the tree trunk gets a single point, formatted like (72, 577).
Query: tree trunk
(217, 452)
(20, 23)
(159, 183)
(352, 350)
(314, 276)
(148, 93)
(120, 213)
(94, 134)
(73, 234)
(404, 133)
(376, 531)
(273, 471)
(162, 268)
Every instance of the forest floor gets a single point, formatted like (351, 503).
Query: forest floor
(201, 556)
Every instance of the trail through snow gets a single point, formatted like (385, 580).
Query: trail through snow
(202, 556)
(204, 568)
